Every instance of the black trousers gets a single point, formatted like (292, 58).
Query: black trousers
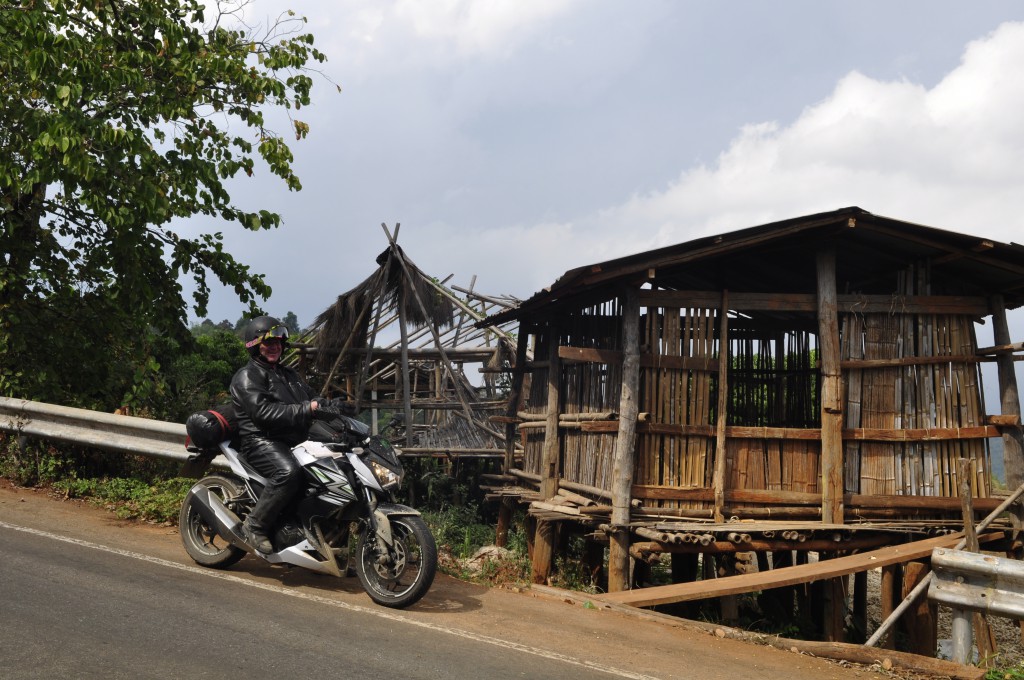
(275, 462)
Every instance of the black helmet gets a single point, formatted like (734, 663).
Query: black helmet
(263, 328)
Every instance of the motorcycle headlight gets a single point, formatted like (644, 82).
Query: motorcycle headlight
(386, 478)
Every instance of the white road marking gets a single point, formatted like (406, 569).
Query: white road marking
(378, 612)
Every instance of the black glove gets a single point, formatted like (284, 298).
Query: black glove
(326, 412)
(349, 408)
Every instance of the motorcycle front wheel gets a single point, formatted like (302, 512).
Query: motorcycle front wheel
(201, 541)
(401, 575)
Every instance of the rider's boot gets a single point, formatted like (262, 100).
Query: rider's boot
(256, 536)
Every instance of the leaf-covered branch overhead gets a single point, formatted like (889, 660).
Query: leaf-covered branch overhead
(119, 117)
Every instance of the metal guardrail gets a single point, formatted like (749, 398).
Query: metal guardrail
(977, 582)
(972, 582)
(109, 431)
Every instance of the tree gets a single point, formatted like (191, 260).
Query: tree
(116, 118)
(291, 321)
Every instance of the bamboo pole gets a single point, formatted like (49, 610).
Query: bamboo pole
(406, 387)
(437, 340)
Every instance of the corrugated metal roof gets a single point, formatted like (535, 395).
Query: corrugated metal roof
(779, 257)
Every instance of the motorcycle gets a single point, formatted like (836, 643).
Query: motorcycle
(350, 478)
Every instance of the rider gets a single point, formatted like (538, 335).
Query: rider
(275, 409)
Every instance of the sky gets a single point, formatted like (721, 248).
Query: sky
(514, 140)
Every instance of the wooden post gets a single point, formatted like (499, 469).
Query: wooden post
(833, 595)
(623, 467)
(718, 479)
(860, 606)
(549, 467)
(832, 511)
(1013, 438)
(891, 578)
(543, 550)
(983, 635)
(920, 623)
(518, 375)
(504, 520)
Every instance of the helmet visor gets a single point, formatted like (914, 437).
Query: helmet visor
(280, 332)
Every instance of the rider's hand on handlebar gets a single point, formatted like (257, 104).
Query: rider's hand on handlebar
(349, 408)
(324, 412)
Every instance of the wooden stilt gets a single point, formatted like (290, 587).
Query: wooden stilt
(891, 588)
(919, 623)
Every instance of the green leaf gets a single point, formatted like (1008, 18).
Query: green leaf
(92, 176)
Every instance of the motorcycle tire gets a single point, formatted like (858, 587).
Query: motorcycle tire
(402, 576)
(201, 541)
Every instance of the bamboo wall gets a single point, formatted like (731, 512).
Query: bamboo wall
(676, 448)
(773, 382)
(773, 406)
(585, 388)
(921, 396)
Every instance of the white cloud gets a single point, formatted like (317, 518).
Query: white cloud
(949, 157)
(478, 28)
(410, 35)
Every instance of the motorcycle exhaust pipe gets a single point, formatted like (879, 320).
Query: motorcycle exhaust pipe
(217, 515)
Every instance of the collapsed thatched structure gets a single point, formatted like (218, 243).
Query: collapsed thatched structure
(401, 341)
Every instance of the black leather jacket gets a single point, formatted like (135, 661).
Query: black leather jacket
(272, 402)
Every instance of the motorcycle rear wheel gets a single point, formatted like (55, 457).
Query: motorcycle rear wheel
(201, 541)
(401, 577)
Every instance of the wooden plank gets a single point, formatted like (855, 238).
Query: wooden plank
(909, 361)
(787, 576)
(921, 435)
(781, 497)
(647, 360)
(1008, 348)
(806, 302)
(851, 434)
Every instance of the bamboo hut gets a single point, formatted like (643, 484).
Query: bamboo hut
(741, 400)
(402, 342)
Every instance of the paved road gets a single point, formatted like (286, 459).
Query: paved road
(84, 595)
(74, 610)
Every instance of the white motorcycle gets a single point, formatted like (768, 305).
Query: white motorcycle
(349, 482)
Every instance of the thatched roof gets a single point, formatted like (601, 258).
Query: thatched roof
(396, 286)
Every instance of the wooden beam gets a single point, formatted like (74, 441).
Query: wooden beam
(647, 360)
(977, 256)
(464, 354)
(1008, 348)
(909, 361)
(806, 303)
(770, 497)
(787, 576)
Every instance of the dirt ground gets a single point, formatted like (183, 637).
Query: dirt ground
(543, 619)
